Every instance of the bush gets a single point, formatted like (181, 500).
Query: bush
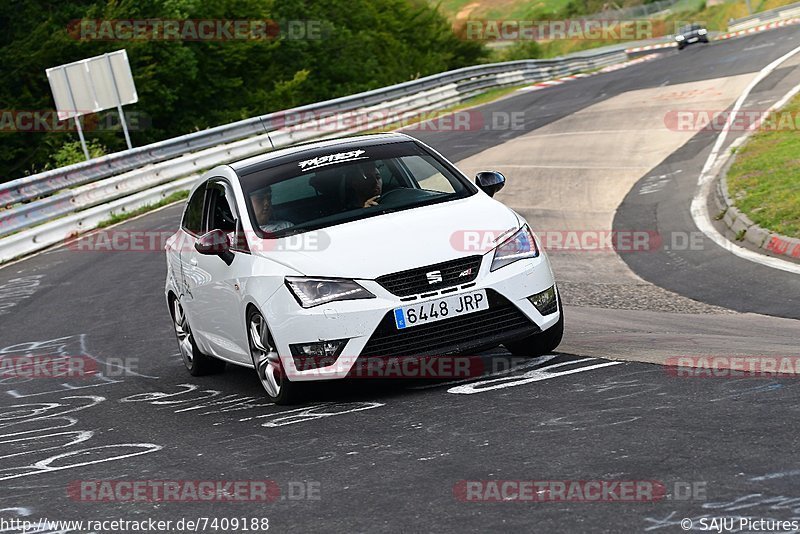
(521, 50)
(71, 152)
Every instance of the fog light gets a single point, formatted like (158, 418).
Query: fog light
(317, 354)
(545, 301)
(322, 349)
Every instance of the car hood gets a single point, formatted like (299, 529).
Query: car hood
(393, 242)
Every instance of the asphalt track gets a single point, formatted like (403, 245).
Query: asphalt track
(386, 457)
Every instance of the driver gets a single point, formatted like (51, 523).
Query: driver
(262, 207)
(364, 186)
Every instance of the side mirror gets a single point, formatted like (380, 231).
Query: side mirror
(490, 181)
(215, 243)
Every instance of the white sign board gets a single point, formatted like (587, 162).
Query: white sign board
(92, 85)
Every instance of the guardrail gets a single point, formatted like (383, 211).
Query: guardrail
(771, 15)
(52, 206)
(48, 182)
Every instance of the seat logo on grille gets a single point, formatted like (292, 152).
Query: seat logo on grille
(434, 277)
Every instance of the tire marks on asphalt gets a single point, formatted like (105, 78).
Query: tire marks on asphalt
(16, 290)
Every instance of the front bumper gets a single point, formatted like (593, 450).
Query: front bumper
(692, 39)
(368, 324)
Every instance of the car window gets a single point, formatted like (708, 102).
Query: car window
(427, 176)
(193, 215)
(328, 187)
(292, 190)
(219, 215)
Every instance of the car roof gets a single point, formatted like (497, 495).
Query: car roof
(311, 150)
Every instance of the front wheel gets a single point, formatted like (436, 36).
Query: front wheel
(541, 343)
(267, 362)
(196, 362)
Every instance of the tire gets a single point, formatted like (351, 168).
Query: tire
(197, 363)
(267, 363)
(541, 343)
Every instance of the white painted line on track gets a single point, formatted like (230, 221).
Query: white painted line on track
(700, 214)
(535, 375)
(532, 363)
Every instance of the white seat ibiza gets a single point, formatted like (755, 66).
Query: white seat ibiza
(305, 262)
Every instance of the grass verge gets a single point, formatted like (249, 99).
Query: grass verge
(764, 181)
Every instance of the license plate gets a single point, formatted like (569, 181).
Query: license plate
(440, 309)
(693, 40)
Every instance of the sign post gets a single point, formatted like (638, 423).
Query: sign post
(91, 85)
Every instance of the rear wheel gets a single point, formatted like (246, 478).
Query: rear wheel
(267, 362)
(541, 343)
(196, 362)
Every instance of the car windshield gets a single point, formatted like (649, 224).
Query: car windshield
(691, 28)
(334, 186)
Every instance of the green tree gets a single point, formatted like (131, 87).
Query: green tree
(185, 86)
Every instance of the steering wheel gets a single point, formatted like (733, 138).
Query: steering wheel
(389, 194)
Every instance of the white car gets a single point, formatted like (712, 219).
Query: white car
(306, 261)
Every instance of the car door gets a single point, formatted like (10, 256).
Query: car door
(215, 309)
(180, 246)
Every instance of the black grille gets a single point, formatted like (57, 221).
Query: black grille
(416, 280)
(500, 323)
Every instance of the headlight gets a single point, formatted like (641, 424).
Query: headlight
(311, 292)
(517, 247)
(702, 32)
(679, 37)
